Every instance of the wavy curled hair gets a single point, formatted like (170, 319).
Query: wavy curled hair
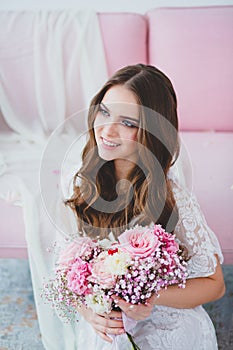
(99, 205)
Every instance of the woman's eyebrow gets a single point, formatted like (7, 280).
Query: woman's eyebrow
(103, 105)
(121, 116)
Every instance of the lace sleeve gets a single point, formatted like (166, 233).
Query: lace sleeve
(193, 232)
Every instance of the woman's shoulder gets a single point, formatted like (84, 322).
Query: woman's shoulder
(176, 180)
(182, 193)
(176, 176)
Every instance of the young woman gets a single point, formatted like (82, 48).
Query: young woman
(126, 178)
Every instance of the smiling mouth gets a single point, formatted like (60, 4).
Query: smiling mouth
(109, 143)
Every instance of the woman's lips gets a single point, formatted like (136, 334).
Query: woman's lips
(109, 143)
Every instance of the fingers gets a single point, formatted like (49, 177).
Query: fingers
(124, 306)
(110, 330)
(114, 314)
(104, 336)
(110, 323)
(104, 326)
(135, 311)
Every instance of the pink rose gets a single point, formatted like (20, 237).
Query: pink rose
(82, 247)
(77, 280)
(99, 273)
(139, 241)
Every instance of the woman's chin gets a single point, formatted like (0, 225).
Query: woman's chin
(106, 156)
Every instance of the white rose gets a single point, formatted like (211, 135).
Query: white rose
(118, 263)
(99, 303)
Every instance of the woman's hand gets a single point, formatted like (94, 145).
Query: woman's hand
(104, 324)
(137, 312)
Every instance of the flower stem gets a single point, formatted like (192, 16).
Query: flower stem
(135, 347)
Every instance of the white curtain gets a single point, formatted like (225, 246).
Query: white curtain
(51, 65)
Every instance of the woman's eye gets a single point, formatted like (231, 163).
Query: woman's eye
(128, 123)
(104, 112)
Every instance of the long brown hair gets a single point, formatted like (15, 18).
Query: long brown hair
(150, 197)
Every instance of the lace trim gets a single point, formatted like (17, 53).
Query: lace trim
(194, 233)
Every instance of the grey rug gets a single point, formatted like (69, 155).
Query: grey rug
(19, 328)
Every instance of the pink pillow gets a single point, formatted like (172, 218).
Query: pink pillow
(194, 47)
(125, 39)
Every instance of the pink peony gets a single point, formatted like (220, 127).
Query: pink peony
(77, 277)
(170, 245)
(139, 241)
(99, 273)
(82, 248)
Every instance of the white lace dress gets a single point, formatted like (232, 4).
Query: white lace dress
(171, 328)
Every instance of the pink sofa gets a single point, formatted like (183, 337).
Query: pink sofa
(194, 47)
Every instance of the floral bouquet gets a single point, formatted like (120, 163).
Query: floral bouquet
(145, 260)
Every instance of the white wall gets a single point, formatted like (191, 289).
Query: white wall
(140, 6)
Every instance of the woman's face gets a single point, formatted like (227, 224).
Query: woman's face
(116, 125)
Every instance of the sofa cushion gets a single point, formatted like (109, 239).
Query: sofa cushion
(194, 47)
(124, 38)
(211, 181)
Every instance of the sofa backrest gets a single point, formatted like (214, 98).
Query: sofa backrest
(124, 38)
(194, 47)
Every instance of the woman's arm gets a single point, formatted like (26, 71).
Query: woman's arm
(197, 291)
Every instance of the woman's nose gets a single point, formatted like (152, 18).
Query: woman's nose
(111, 128)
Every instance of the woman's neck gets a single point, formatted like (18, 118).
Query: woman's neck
(122, 168)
